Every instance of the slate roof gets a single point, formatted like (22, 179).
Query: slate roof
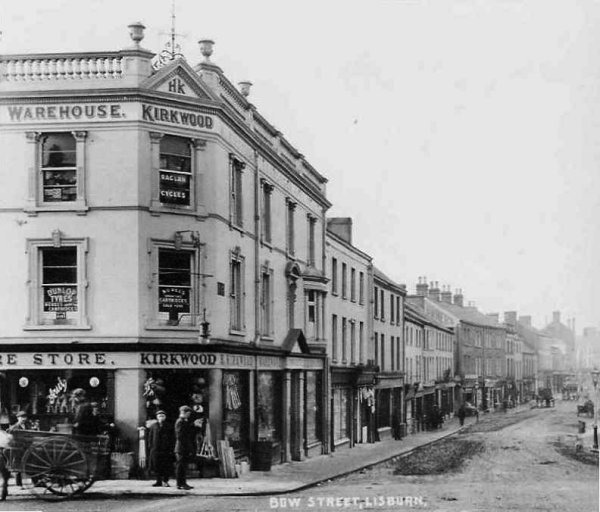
(469, 315)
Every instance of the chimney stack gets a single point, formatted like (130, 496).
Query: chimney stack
(494, 316)
(525, 320)
(434, 291)
(458, 297)
(422, 286)
(510, 317)
(341, 226)
(446, 295)
(556, 317)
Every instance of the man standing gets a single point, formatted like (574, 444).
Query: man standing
(5, 440)
(21, 424)
(462, 412)
(160, 441)
(185, 445)
(84, 422)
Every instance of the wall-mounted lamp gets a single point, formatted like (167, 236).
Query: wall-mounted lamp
(204, 328)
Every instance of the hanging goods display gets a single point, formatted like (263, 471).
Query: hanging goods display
(232, 396)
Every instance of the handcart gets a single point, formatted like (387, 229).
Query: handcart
(57, 466)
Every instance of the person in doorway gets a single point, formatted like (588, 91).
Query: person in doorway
(161, 443)
(185, 445)
(84, 423)
(21, 424)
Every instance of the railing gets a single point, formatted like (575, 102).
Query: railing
(17, 68)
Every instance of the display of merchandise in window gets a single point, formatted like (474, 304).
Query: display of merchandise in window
(174, 283)
(175, 174)
(59, 167)
(59, 282)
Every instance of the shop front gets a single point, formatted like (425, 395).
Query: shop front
(344, 408)
(389, 408)
(240, 397)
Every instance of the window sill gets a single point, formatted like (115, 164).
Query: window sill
(235, 332)
(158, 208)
(156, 327)
(268, 339)
(57, 327)
(237, 227)
(79, 208)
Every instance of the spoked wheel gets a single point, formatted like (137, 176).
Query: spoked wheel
(57, 468)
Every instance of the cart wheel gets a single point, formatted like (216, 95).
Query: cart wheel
(56, 468)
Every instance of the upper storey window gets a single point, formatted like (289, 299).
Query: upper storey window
(175, 173)
(59, 167)
(56, 163)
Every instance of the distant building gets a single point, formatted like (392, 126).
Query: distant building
(480, 339)
(350, 347)
(388, 346)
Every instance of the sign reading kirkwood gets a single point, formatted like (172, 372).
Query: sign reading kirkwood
(102, 112)
(115, 360)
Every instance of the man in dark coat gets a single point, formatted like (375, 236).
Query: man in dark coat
(84, 422)
(185, 445)
(161, 443)
(21, 424)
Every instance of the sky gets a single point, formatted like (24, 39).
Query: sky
(461, 136)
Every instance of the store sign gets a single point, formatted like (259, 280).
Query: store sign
(60, 299)
(196, 360)
(70, 112)
(176, 117)
(172, 298)
(174, 188)
(57, 360)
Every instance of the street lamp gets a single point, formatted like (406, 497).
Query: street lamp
(595, 376)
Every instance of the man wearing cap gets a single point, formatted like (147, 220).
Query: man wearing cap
(185, 445)
(21, 424)
(161, 442)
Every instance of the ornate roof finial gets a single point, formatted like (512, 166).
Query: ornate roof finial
(172, 48)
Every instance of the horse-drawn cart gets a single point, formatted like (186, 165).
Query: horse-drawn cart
(57, 466)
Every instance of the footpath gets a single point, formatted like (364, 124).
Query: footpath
(283, 478)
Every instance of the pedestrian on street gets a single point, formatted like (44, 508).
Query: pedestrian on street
(5, 440)
(161, 442)
(84, 423)
(21, 424)
(185, 445)
(461, 414)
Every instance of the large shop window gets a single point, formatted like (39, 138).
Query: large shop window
(168, 390)
(268, 406)
(314, 410)
(57, 277)
(174, 285)
(45, 395)
(383, 408)
(342, 403)
(235, 411)
(175, 173)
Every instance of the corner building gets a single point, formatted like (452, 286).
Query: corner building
(164, 245)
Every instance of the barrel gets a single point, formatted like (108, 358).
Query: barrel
(261, 455)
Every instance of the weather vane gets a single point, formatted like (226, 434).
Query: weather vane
(172, 48)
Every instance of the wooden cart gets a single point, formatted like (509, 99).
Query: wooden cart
(57, 466)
